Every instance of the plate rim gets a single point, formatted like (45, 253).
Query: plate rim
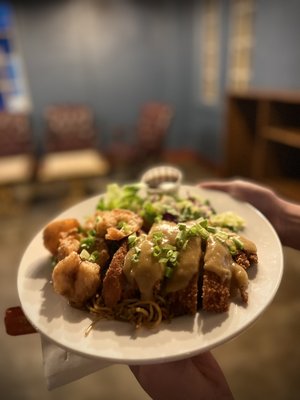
(177, 355)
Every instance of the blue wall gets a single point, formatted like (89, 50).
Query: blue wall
(116, 55)
(113, 55)
(277, 49)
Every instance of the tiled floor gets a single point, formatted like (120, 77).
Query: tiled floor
(263, 362)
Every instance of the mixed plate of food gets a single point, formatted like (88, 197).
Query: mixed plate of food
(135, 276)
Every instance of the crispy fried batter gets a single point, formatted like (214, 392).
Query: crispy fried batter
(215, 293)
(114, 280)
(253, 259)
(68, 242)
(244, 294)
(103, 251)
(76, 279)
(52, 232)
(245, 259)
(184, 301)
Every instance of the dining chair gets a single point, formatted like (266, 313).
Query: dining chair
(17, 157)
(70, 146)
(145, 143)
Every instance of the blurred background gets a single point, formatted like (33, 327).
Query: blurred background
(95, 91)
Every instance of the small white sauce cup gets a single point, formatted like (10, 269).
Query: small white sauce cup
(162, 179)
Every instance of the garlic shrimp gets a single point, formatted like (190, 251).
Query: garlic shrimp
(117, 224)
(76, 279)
(52, 232)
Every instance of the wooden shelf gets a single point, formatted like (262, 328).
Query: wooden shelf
(286, 136)
(262, 138)
(288, 97)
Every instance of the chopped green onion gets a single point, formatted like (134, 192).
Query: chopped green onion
(163, 260)
(221, 235)
(239, 244)
(84, 255)
(173, 257)
(124, 226)
(89, 241)
(168, 272)
(132, 240)
(157, 237)
(156, 251)
(232, 249)
(211, 229)
(94, 256)
(136, 256)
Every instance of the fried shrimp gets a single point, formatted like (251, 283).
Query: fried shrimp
(76, 279)
(117, 224)
(52, 232)
(68, 242)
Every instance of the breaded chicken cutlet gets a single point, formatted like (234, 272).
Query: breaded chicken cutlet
(205, 290)
(217, 289)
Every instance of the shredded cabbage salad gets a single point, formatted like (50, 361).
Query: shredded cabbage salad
(155, 207)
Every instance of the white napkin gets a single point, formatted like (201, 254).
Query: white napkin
(62, 366)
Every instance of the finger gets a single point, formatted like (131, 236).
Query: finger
(216, 185)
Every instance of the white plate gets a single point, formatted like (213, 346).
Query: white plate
(115, 341)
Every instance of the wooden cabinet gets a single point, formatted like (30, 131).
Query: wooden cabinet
(262, 140)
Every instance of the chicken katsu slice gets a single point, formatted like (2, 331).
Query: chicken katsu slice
(184, 301)
(182, 286)
(225, 274)
(215, 293)
(246, 259)
(114, 282)
(217, 275)
(247, 255)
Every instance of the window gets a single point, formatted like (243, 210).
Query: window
(13, 89)
(210, 54)
(241, 43)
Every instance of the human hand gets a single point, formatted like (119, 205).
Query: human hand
(199, 377)
(261, 197)
(284, 215)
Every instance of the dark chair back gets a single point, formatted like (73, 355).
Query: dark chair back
(153, 126)
(69, 127)
(15, 134)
